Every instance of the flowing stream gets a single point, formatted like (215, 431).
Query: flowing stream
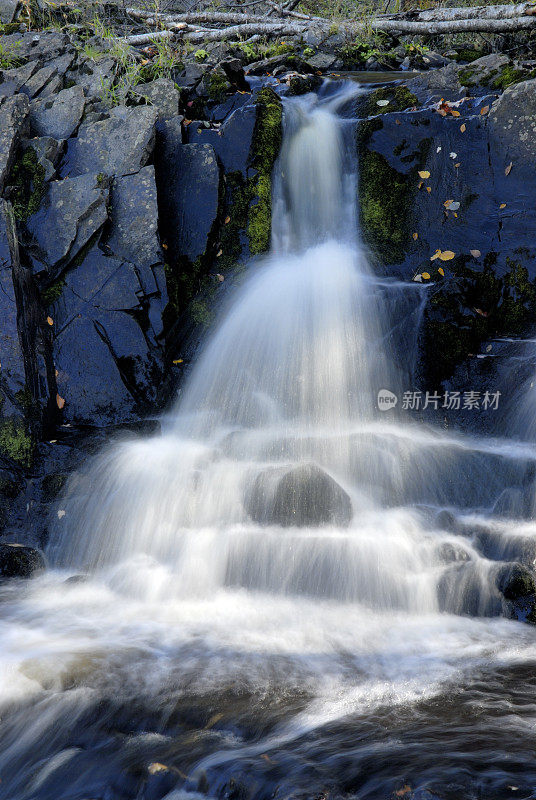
(188, 641)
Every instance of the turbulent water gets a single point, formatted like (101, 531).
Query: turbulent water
(204, 653)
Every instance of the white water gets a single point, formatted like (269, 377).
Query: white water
(187, 597)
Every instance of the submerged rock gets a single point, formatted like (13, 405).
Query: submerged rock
(301, 496)
(19, 561)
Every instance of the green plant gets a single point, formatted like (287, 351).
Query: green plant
(200, 55)
(8, 55)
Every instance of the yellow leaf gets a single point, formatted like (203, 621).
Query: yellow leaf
(423, 173)
(219, 253)
(508, 169)
(447, 203)
(426, 276)
(484, 110)
(457, 165)
(227, 220)
(178, 361)
(441, 271)
(475, 253)
(428, 189)
(503, 205)
(447, 255)
(50, 321)
(436, 255)
(415, 236)
(420, 185)
(164, 246)
(60, 402)
(155, 768)
(454, 112)
(463, 128)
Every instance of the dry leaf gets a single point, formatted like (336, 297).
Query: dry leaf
(227, 220)
(178, 360)
(397, 122)
(155, 768)
(417, 278)
(423, 173)
(482, 313)
(426, 276)
(219, 253)
(436, 255)
(415, 237)
(508, 169)
(447, 203)
(164, 246)
(61, 513)
(60, 402)
(420, 185)
(403, 791)
(441, 271)
(463, 128)
(484, 110)
(454, 112)
(381, 103)
(50, 321)
(447, 255)
(457, 165)
(475, 253)
(220, 277)
(438, 149)
(503, 205)
(451, 205)
(453, 155)
(428, 189)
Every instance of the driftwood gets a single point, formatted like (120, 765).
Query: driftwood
(234, 25)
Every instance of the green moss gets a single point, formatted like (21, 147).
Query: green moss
(302, 84)
(28, 185)
(509, 75)
(52, 485)
(200, 313)
(53, 292)
(265, 147)
(466, 76)
(200, 56)
(467, 55)
(399, 99)
(16, 443)
(216, 84)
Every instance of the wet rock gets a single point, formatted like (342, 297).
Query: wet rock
(58, 116)
(449, 552)
(13, 119)
(187, 178)
(133, 233)
(438, 83)
(18, 561)
(516, 581)
(119, 145)
(71, 213)
(483, 71)
(301, 496)
(48, 151)
(302, 84)
(12, 375)
(434, 60)
(190, 76)
(232, 141)
(94, 77)
(235, 73)
(162, 95)
(504, 547)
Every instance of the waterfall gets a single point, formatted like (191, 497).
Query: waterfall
(288, 589)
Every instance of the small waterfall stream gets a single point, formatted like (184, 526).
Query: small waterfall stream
(352, 659)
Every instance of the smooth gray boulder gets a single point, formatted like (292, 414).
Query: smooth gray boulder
(58, 116)
(134, 218)
(119, 145)
(512, 123)
(13, 116)
(298, 496)
(72, 211)
(20, 561)
(187, 178)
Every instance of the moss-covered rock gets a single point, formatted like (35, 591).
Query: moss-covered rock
(266, 144)
(387, 99)
(16, 443)
(27, 180)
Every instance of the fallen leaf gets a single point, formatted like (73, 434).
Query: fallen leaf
(397, 122)
(220, 277)
(50, 321)
(488, 348)
(475, 253)
(155, 768)
(447, 255)
(219, 253)
(382, 103)
(454, 112)
(503, 205)
(482, 313)
(186, 122)
(453, 155)
(447, 203)
(508, 169)
(213, 720)
(436, 255)
(484, 110)
(415, 237)
(426, 276)
(227, 220)
(420, 185)
(457, 165)
(403, 791)
(451, 205)
(424, 173)
(463, 128)
(438, 149)
(61, 513)
(428, 189)
(164, 246)
(417, 278)
(441, 271)
(178, 360)
(60, 402)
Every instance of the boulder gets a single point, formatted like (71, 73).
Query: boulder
(187, 177)
(232, 141)
(162, 95)
(8, 10)
(58, 116)
(93, 76)
(512, 125)
(71, 213)
(298, 496)
(133, 233)
(12, 375)
(39, 80)
(48, 151)
(119, 145)
(19, 561)
(13, 118)
(516, 582)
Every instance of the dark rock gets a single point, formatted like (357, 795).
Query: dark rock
(93, 76)
(515, 582)
(482, 71)
(187, 178)
(48, 151)
(8, 10)
(13, 119)
(71, 213)
(503, 547)
(299, 496)
(119, 145)
(512, 124)
(434, 60)
(18, 76)
(39, 80)
(232, 141)
(437, 83)
(322, 61)
(12, 376)
(18, 561)
(235, 73)
(190, 76)
(302, 84)
(58, 116)
(162, 95)
(133, 233)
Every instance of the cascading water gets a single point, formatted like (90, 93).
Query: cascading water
(254, 657)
